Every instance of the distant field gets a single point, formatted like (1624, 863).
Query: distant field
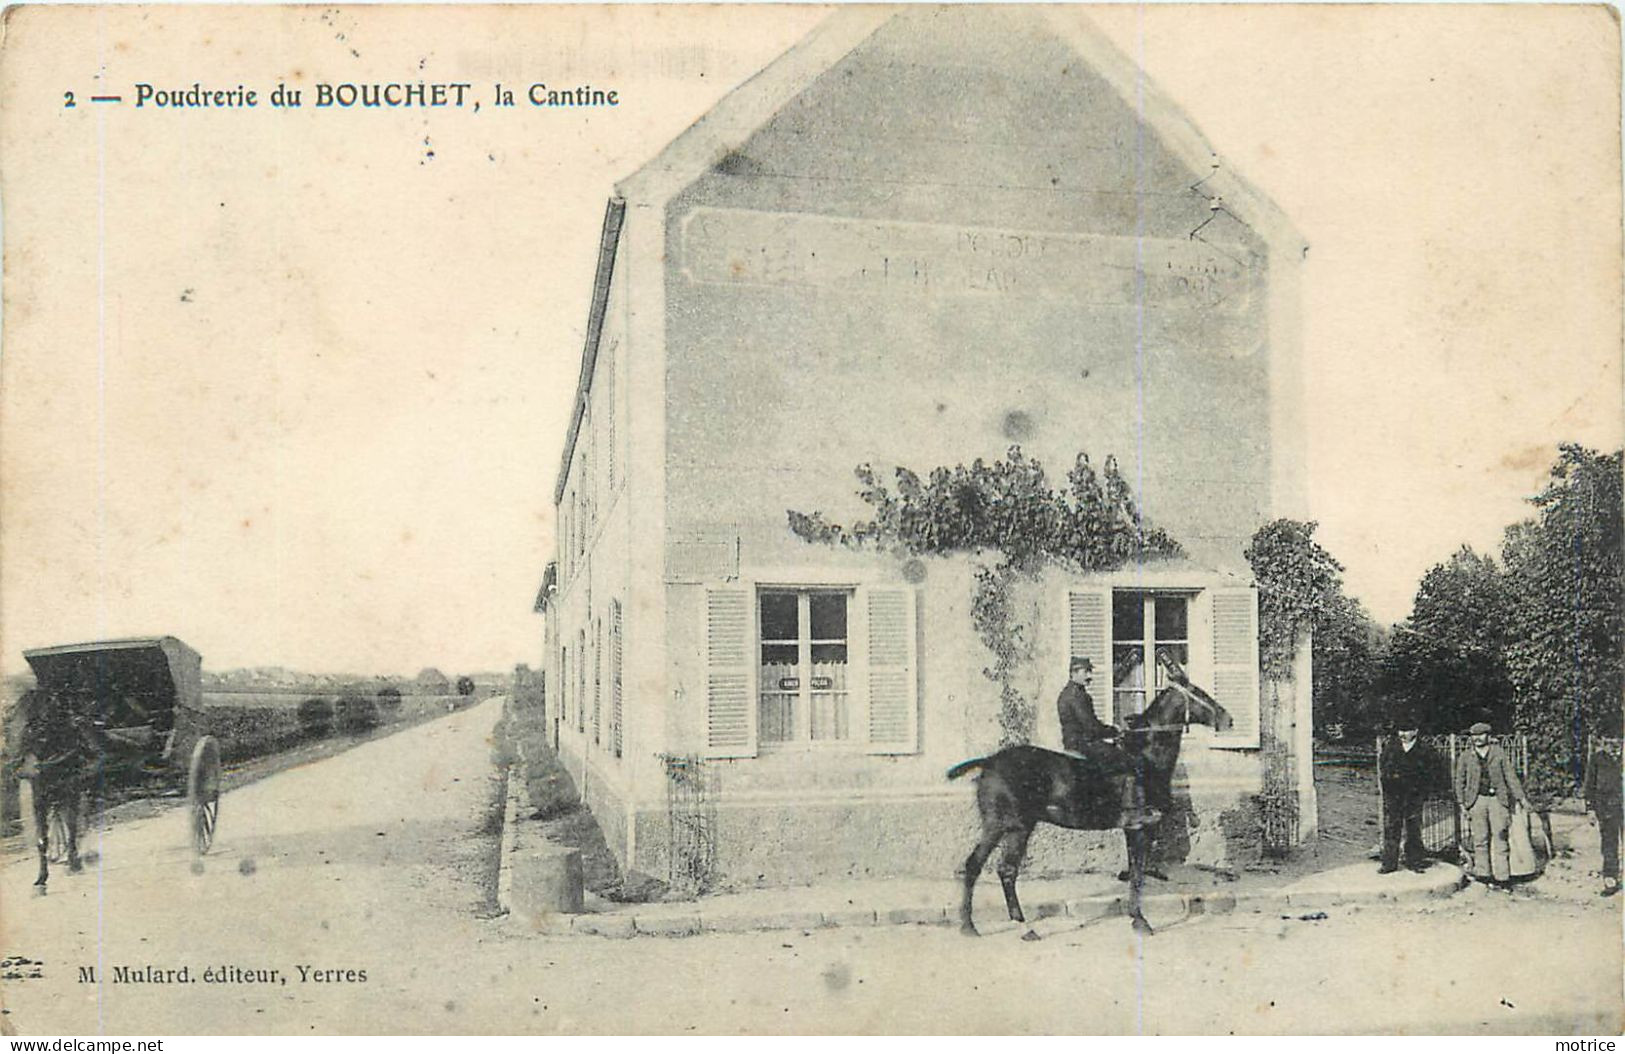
(284, 699)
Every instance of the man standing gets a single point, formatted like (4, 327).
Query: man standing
(1409, 771)
(1602, 794)
(1486, 786)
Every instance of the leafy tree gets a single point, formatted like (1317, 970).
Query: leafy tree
(1300, 587)
(1445, 663)
(1566, 619)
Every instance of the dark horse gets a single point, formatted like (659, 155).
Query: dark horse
(57, 740)
(1023, 785)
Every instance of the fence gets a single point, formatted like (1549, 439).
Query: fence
(691, 788)
(1442, 821)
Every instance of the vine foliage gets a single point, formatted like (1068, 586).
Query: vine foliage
(1007, 512)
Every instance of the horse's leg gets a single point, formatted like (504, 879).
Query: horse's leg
(1138, 843)
(42, 831)
(72, 817)
(973, 868)
(1015, 848)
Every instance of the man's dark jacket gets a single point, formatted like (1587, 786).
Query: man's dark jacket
(1408, 777)
(1079, 725)
(1602, 783)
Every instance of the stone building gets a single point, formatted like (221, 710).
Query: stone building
(918, 237)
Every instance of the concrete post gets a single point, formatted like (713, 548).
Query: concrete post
(1303, 735)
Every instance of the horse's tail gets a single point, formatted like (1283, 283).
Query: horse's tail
(967, 766)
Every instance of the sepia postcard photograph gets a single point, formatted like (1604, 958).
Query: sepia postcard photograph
(765, 519)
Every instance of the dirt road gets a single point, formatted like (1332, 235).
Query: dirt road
(379, 861)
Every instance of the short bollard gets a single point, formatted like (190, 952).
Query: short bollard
(547, 881)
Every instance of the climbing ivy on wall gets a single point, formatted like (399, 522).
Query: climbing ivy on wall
(1008, 512)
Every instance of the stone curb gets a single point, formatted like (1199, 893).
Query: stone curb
(514, 787)
(1083, 909)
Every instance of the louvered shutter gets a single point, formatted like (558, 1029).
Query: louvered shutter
(615, 676)
(1089, 633)
(1235, 663)
(893, 713)
(730, 710)
(609, 415)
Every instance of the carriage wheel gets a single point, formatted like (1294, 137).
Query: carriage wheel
(203, 793)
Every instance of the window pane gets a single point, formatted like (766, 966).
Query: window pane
(828, 653)
(828, 616)
(829, 716)
(776, 719)
(1128, 616)
(1127, 704)
(780, 620)
(784, 654)
(1180, 653)
(779, 686)
(1128, 666)
(1172, 618)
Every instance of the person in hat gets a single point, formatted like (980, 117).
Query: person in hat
(1486, 786)
(1409, 770)
(1602, 795)
(1086, 735)
(1076, 709)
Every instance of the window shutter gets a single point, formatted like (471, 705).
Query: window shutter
(1089, 631)
(894, 720)
(609, 414)
(730, 704)
(597, 681)
(1235, 663)
(615, 676)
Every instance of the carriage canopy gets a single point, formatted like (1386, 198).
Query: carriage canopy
(133, 682)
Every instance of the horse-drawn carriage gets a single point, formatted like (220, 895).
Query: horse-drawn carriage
(115, 718)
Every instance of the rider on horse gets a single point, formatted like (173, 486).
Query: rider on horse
(1086, 736)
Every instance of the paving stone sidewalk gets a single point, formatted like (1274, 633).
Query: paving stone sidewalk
(1086, 898)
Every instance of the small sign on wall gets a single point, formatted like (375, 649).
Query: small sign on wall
(823, 684)
(789, 684)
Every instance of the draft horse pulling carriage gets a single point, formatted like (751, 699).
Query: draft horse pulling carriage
(121, 717)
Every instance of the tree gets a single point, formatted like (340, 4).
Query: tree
(1446, 661)
(1300, 587)
(1566, 619)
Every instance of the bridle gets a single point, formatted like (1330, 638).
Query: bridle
(1186, 695)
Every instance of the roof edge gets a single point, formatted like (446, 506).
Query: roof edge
(1169, 121)
(608, 239)
(741, 112)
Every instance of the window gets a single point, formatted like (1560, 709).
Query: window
(805, 656)
(1144, 625)
(597, 680)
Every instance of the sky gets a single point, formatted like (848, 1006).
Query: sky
(293, 384)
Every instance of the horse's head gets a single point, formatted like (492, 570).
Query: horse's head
(1182, 702)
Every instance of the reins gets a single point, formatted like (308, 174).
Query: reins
(1185, 727)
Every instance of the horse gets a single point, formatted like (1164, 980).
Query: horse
(1021, 786)
(53, 733)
